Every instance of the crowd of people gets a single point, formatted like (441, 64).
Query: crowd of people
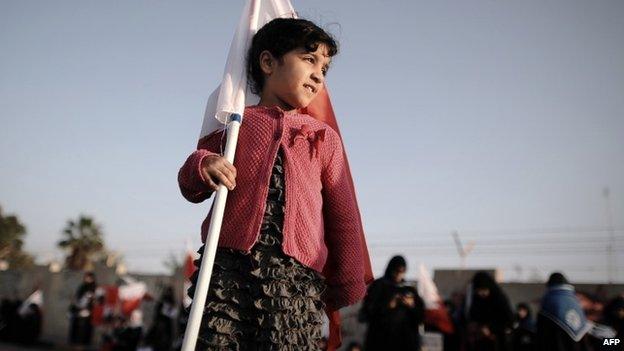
(99, 320)
(483, 319)
(396, 316)
(118, 326)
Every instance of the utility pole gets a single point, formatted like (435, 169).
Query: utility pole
(461, 250)
(611, 264)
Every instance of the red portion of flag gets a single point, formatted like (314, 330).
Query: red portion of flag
(440, 319)
(189, 267)
(111, 295)
(127, 306)
(321, 109)
(97, 314)
(108, 305)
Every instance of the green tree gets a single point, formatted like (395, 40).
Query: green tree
(11, 233)
(82, 239)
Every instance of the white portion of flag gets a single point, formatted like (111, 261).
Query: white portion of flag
(36, 298)
(427, 289)
(132, 289)
(233, 94)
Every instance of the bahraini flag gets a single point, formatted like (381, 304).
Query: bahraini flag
(436, 313)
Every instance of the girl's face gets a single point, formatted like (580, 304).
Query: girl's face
(295, 80)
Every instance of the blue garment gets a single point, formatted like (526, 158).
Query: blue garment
(560, 305)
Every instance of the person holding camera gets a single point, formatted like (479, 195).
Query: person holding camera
(393, 310)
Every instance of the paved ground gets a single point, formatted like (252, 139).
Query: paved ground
(41, 347)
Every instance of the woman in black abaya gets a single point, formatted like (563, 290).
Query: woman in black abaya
(81, 328)
(490, 316)
(393, 311)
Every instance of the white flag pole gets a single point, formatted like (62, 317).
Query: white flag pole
(228, 106)
(210, 248)
(218, 206)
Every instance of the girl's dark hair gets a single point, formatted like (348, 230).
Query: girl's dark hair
(280, 36)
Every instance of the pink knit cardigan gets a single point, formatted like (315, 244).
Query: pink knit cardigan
(322, 228)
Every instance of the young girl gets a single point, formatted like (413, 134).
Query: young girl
(290, 244)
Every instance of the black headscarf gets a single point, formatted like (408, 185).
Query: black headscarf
(167, 295)
(493, 310)
(86, 287)
(483, 280)
(395, 263)
(556, 279)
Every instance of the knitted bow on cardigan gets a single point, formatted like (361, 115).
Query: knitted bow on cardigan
(315, 138)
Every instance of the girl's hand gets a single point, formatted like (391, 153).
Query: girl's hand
(216, 169)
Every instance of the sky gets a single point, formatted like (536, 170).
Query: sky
(502, 121)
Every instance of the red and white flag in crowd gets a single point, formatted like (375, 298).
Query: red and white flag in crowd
(233, 95)
(106, 298)
(436, 313)
(35, 298)
(131, 294)
(188, 270)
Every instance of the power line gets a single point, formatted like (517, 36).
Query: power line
(505, 233)
(502, 251)
(488, 242)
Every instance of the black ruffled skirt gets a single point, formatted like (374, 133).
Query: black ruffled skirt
(264, 300)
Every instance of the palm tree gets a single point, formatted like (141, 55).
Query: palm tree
(11, 243)
(83, 239)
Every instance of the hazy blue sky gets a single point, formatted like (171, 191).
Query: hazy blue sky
(503, 120)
